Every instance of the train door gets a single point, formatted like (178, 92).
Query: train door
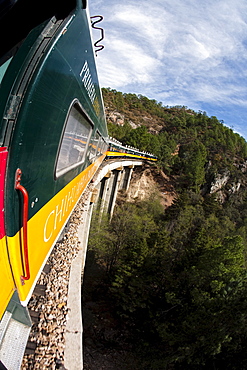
(7, 286)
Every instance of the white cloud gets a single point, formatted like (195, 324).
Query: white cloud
(129, 68)
(145, 25)
(187, 52)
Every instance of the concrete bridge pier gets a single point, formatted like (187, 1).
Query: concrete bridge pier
(109, 180)
(115, 186)
(127, 177)
(104, 194)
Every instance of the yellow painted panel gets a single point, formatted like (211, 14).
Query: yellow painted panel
(128, 155)
(44, 228)
(7, 283)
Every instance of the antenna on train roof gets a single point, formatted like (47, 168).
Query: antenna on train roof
(99, 18)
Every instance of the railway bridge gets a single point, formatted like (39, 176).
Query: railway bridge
(63, 343)
(111, 177)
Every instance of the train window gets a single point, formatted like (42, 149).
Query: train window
(94, 145)
(75, 140)
(101, 146)
(99, 149)
(105, 146)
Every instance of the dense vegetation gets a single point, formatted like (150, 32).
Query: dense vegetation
(178, 277)
(203, 138)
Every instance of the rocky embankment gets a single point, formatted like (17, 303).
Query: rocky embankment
(148, 180)
(48, 305)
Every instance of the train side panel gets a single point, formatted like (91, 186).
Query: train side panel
(7, 286)
(54, 104)
(44, 228)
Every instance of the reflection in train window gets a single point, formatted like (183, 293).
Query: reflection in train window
(101, 146)
(74, 144)
(105, 146)
(94, 145)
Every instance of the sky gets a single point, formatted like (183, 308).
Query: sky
(178, 52)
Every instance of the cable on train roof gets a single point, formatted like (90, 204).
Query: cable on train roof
(99, 18)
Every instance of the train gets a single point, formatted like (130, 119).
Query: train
(53, 133)
(117, 150)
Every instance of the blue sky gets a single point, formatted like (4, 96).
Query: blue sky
(179, 52)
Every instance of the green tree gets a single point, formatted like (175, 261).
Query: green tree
(139, 138)
(194, 156)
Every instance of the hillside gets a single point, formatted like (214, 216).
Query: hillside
(203, 154)
(172, 260)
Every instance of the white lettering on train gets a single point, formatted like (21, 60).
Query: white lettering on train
(61, 211)
(47, 238)
(88, 82)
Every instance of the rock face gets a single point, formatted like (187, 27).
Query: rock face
(235, 187)
(148, 181)
(118, 118)
(115, 117)
(219, 181)
(142, 185)
(223, 185)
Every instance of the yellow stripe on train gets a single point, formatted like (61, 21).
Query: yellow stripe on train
(44, 228)
(7, 289)
(120, 154)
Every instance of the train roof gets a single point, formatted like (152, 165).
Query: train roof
(5, 6)
(113, 141)
(19, 17)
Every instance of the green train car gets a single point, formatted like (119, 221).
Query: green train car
(116, 150)
(53, 134)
